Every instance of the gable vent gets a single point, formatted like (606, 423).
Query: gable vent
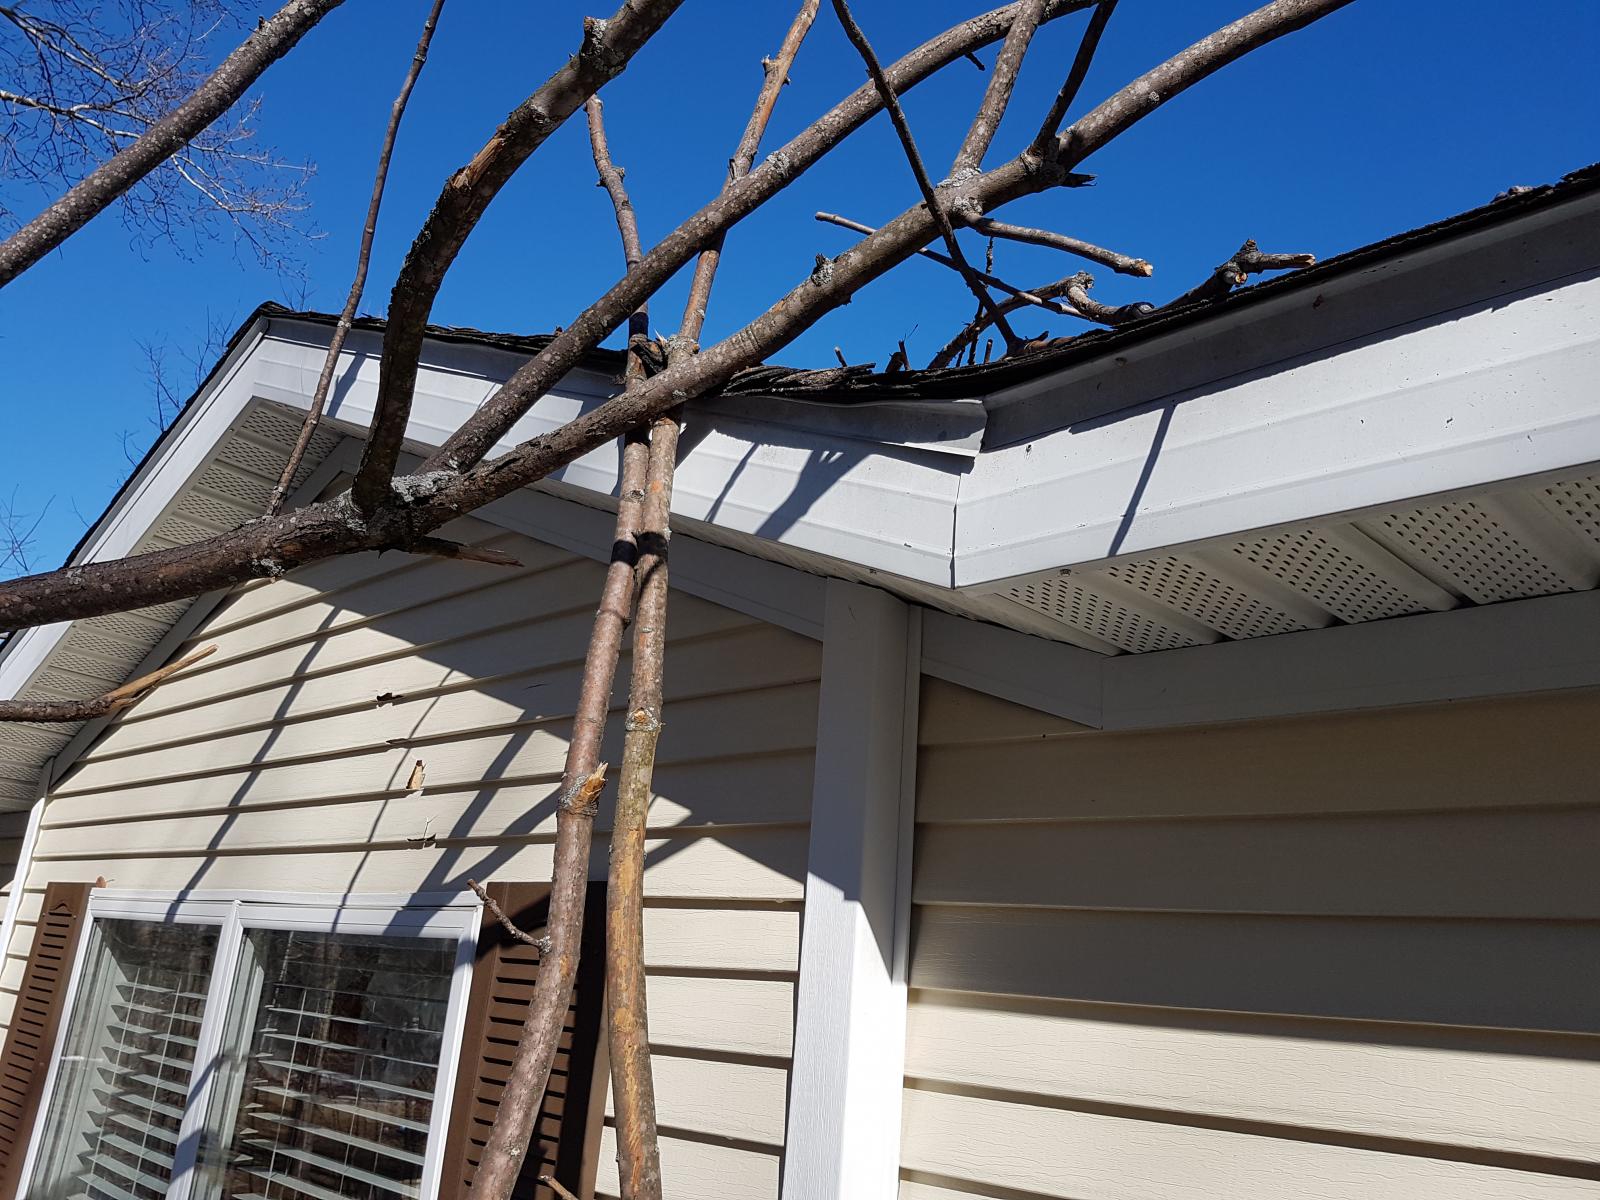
(1189, 588)
(1313, 565)
(1472, 550)
(1067, 599)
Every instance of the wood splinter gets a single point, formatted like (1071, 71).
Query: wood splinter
(107, 705)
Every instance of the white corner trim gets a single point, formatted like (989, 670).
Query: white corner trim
(843, 1136)
(30, 838)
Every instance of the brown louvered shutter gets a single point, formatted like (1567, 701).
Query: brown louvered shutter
(25, 1061)
(566, 1140)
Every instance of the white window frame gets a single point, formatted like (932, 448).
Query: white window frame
(424, 914)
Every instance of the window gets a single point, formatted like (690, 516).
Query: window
(256, 1049)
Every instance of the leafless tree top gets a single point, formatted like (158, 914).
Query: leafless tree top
(82, 79)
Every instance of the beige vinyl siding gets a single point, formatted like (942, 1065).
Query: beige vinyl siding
(275, 766)
(1349, 957)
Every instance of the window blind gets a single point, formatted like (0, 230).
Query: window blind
(112, 1128)
(332, 1095)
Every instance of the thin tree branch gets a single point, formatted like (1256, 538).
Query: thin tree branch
(1246, 261)
(496, 416)
(107, 705)
(967, 337)
(1121, 263)
(273, 545)
(607, 48)
(341, 330)
(1106, 314)
(776, 75)
(930, 197)
(992, 281)
(583, 779)
(1076, 75)
(1002, 82)
(538, 943)
(269, 41)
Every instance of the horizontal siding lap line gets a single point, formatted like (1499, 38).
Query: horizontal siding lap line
(421, 653)
(410, 743)
(1321, 915)
(358, 620)
(1043, 823)
(1543, 1164)
(325, 799)
(683, 1134)
(666, 834)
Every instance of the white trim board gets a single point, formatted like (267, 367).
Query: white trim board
(843, 1135)
(1541, 644)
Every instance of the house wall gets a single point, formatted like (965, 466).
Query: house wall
(1348, 957)
(273, 766)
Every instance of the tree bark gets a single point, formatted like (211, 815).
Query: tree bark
(274, 545)
(271, 40)
(107, 705)
(495, 417)
(607, 48)
(997, 96)
(582, 781)
(341, 330)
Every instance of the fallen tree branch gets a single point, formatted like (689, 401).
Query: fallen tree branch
(1123, 264)
(496, 416)
(908, 144)
(1015, 293)
(272, 38)
(776, 75)
(606, 50)
(271, 546)
(538, 943)
(1248, 260)
(997, 96)
(967, 337)
(1079, 71)
(341, 329)
(111, 703)
(1106, 314)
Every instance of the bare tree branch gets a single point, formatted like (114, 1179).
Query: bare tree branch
(1247, 260)
(274, 545)
(967, 337)
(496, 416)
(107, 705)
(607, 48)
(930, 197)
(1121, 263)
(341, 330)
(1002, 82)
(271, 40)
(777, 74)
(527, 939)
(583, 779)
(1075, 76)
(990, 280)
(1106, 314)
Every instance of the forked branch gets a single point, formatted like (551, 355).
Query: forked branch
(1122, 264)
(930, 197)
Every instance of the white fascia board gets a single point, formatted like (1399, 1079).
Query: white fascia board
(1541, 644)
(888, 508)
(1483, 394)
(145, 500)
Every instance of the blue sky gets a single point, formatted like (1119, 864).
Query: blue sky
(1382, 117)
